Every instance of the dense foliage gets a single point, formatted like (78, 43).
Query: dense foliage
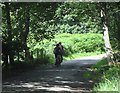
(31, 29)
(73, 43)
(32, 22)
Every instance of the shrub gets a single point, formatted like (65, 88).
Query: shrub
(82, 42)
(113, 71)
(100, 64)
(73, 43)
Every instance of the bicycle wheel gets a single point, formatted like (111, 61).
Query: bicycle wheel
(58, 60)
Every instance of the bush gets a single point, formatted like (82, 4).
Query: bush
(89, 43)
(81, 42)
(100, 64)
(73, 43)
(113, 71)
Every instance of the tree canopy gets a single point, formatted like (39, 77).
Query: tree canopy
(25, 24)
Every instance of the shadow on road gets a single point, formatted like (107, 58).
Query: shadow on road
(71, 77)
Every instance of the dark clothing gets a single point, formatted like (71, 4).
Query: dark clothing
(61, 47)
(57, 51)
(62, 50)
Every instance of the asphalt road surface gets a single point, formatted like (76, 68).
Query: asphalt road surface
(68, 78)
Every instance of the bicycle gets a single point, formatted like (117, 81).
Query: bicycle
(58, 60)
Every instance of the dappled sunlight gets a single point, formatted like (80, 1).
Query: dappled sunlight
(69, 82)
(33, 86)
(69, 77)
(50, 83)
(55, 88)
(90, 81)
(61, 70)
(57, 47)
(56, 83)
(58, 77)
(64, 88)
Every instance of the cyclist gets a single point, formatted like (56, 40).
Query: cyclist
(62, 50)
(57, 52)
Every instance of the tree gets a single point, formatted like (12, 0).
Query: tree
(108, 48)
(20, 20)
(74, 17)
(8, 53)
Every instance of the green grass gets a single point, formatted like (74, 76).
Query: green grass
(109, 77)
(108, 85)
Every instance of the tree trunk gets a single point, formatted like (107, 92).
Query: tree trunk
(28, 56)
(108, 48)
(9, 27)
(26, 34)
(118, 26)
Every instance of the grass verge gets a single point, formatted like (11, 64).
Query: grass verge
(109, 79)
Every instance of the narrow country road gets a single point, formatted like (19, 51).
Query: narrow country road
(68, 78)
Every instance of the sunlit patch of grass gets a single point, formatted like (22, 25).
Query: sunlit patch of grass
(108, 85)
